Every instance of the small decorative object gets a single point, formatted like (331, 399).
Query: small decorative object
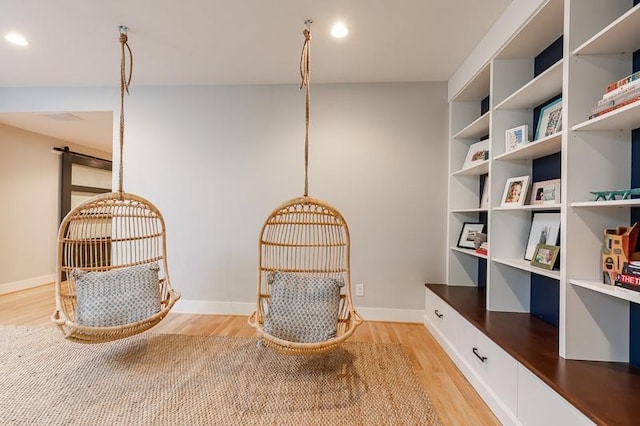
(546, 192)
(468, 234)
(545, 256)
(478, 152)
(624, 194)
(484, 200)
(515, 191)
(478, 239)
(550, 120)
(516, 137)
(617, 250)
(545, 229)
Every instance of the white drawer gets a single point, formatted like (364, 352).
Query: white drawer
(444, 319)
(538, 404)
(493, 366)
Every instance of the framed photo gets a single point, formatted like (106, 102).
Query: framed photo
(515, 191)
(484, 198)
(550, 120)
(516, 137)
(546, 192)
(545, 256)
(545, 229)
(468, 234)
(478, 152)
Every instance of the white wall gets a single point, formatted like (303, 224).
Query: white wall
(29, 190)
(217, 160)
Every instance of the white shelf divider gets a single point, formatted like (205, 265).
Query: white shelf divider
(621, 36)
(525, 265)
(475, 210)
(481, 168)
(607, 204)
(623, 118)
(610, 290)
(476, 129)
(529, 207)
(469, 252)
(538, 90)
(536, 149)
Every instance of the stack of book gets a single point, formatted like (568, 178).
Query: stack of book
(483, 248)
(618, 94)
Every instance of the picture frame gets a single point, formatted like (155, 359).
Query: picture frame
(484, 198)
(545, 256)
(545, 229)
(478, 152)
(516, 137)
(546, 192)
(515, 191)
(468, 233)
(550, 120)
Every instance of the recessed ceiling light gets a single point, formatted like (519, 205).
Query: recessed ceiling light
(16, 39)
(339, 30)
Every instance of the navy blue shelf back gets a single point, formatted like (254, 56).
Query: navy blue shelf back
(482, 273)
(546, 168)
(545, 292)
(483, 218)
(634, 308)
(545, 299)
(484, 106)
(548, 57)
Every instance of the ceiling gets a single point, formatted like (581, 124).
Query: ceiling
(198, 42)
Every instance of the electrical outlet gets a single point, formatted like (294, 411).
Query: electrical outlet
(359, 289)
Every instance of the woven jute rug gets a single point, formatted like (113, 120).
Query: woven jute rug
(165, 379)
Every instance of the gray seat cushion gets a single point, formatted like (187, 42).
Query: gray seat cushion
(302, 309)
(117, 297)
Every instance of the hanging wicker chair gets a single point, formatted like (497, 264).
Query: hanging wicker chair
(308, 239)
(106, 233)
(112, 235)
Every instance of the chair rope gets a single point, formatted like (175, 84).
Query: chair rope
(124, 86)
(305, 75)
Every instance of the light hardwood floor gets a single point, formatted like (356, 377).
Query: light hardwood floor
(452, 396)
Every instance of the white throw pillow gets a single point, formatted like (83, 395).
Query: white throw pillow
(302, 309)
(117, 297)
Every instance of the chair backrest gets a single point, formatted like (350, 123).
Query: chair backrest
(308, 237)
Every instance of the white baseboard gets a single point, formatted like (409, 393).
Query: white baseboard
(10, 287)
(391, 315)
(212, 308)
(238, 308)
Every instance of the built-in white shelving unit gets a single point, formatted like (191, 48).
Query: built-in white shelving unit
(598, 41)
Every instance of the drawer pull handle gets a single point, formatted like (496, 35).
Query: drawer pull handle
(480, 357)
(438, 314)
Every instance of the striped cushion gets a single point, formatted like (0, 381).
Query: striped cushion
(117, 297)
(302, 309)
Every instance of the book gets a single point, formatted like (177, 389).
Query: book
(623, 81)
(483, 249)
(620, 105)
(622, 97)
(619, 91)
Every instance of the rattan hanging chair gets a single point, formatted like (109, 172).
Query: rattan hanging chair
(309, 240)
(112, 278)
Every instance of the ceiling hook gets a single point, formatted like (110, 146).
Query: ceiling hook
(308, 23)
(123, 30)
